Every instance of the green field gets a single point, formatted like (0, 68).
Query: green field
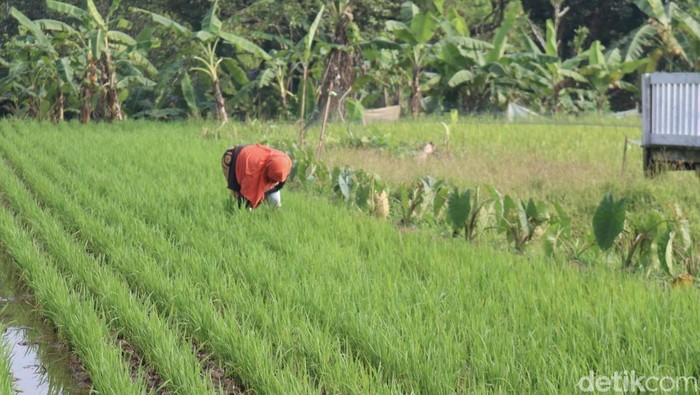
(124, 233)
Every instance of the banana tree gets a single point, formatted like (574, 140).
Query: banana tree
(486, 77)
(672, 34)
(108, 59)
(305, 61)
(415, 42)
(24, 83)
(54, 70)
(551, 79)
(606, 71)
(205, 54)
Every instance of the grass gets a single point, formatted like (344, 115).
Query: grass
(314, 297)
(6, 379)
(72, 313)
(136, 321)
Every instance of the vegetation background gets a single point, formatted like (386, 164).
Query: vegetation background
(171, 59)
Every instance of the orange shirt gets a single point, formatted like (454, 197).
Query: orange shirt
(258, 169)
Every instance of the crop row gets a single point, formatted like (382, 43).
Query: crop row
(398, 311)
(229, 336)
(375, 347)
(71, 311)
(6, 380)
(282, 325)
(134, 319)
(426, 314)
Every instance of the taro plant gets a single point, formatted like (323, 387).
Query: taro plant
(637, 237)
(647, 239)
(559, 236)
(608, 221)
(464, 210)
(521, 222)
(414, 203)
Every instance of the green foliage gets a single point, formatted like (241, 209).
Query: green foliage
(608, 221)
(458, 208)
(278, 295)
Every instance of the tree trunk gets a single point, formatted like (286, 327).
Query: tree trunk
(340, 67)
(86, 92)
(559, 13)
(303, 107)
(60, 106)
(113, 106)
(322, 137)
(416, 95)
(220, 103)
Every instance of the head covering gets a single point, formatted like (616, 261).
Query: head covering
(258, 169)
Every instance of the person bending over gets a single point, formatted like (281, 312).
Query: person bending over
(255, 173)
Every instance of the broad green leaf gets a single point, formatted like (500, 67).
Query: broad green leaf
(56, 26)
(562, 217)
(523, 217)
(189, 95)
(66, 9)
(458, 208)
(123, 24)
(97, 44)
(121, 38)
(551, 47)
(65, 72)
(95, 15)
(573, 75)
(691, 24)
(439, 201)
(683, 227)
(471, 44)
(266, 78)
(439, 5)
(245, 45)
(355, 110)
(134, 80)
(608, 221)
(41, 38)
(423, 27)
(345, 184)
(113, 8)
(531, 209)
(204, 36)
(456, 24)
(401, 32)
(501, 37)
(408, 10)
(509, 213)
(595, 54)
(665, 250)
(641, 38)
(236, 73)
(164, 21)
(211, 22)
(460, 77)
(309, 38)
(362, 194)
(145, 39)
(140, 60)
(654, 9)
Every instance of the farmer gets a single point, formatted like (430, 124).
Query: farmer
(256, 173)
